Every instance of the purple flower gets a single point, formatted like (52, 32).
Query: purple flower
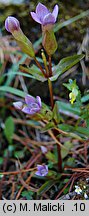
(31, 106)
(11, 24)
(44, 16)
(42, 170)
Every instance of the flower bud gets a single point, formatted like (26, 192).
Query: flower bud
(12, 24)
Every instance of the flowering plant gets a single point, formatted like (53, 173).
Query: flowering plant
(48, 116)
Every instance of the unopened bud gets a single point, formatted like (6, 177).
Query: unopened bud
(12, 24)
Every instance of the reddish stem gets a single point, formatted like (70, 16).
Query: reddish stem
(38, 64)
(56, 133)
(51, 93)
(50, 66)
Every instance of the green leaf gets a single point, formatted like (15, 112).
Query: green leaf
(45, 112)
(65, 152)
(71, 85)
(71, 20)
(15, 68)
(51, 156)
(1, 160)
(34, 71)
(45, 187)
(19, 154)
(19, 74)
(0, 65)
(65, 64)
(70, 162)
(27, 194)
(81, 131)
(48, 126)
(12, 91)
(56, 114)
(85, 98)
(85, 114)
(9, 129)
(68, 109)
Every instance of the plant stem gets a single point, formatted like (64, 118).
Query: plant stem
(51, 93)
(38, 64)
(59, 152)
(50, 66)
(56, 133)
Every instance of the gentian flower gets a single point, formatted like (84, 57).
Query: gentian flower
(42, 170)
(31, 106)
(44, 16)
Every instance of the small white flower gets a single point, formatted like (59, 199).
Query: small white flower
(78, 190)
(85, 196)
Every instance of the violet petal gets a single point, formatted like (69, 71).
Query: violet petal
(38, 173)
(39, 101)
(30, 111)
(41, 11)
(48, 19)
(18, 105)
(26, 110)
(42, 170)
(11, 24)
(55, 12)
(35, 17)
(29, 99)
(39, 167)
(34, 110)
